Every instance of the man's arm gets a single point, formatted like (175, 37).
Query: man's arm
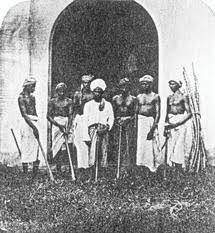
(187, 110)
(76, 103)
(157, 111)
(114, 105)
(167, 110)
(110, 116)
(24, 114)
(50, 116)
(71, 115)
(86, 111)
(156, 118)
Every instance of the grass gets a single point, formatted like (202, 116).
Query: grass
(130, 204)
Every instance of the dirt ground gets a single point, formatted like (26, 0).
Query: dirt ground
(184, 203)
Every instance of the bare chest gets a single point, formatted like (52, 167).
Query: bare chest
(146, 100)
(125, 102)
(61, 104)
(176, 100)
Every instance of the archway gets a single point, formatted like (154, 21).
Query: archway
(110, 39)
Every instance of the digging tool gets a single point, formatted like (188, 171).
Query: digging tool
(17, 145)
(70, 160)
(119, 152)
(46, 161)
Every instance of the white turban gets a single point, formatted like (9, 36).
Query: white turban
(61, 85)
(29, 81)
(98, 83)
(177, 80)
(87, 78)
(146, 78)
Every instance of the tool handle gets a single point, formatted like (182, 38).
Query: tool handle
(17, 145)
(119, 152)
(70, 160)
(46, 161)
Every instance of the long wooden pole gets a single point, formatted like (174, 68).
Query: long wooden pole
(17, 145)
(119, 152)
(166, 154)
(70, 160)
(97, 158)
(46, 161)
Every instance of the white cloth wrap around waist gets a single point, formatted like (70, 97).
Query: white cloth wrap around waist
(57, 135)
(148, 151)
(29, 144)
(80, 127)
(178, 142)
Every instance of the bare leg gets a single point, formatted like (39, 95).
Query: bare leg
(25, 167)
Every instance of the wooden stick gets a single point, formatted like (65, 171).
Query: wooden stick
(166, 154)
(46, 161)
(70, 160)
(97, 158)
(17, 145)
(119, 152)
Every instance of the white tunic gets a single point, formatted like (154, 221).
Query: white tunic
(93, 115)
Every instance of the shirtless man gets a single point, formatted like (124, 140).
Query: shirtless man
(124, 112)
(60, 114)
(178, 113)
(148, 114)
(79, 100)
(29, 130)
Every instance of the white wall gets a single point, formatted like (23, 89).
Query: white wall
(186, 34)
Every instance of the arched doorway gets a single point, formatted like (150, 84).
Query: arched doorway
(110, 39)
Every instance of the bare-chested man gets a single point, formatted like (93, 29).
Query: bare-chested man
(124, 112)
(178, 113)
(60, 114)
(79, 100)
(148, 114)
(29, 130)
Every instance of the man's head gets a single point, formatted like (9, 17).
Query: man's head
(61, 89)
(98, 87)
(175, 85)
(85, 81)
(124, 85)
(29, 84)
(146, 83)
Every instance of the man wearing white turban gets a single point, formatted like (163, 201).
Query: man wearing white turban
(178, 113)
(80, 98)
(60, 114)
(148, 115)
(99, 118)
(29, 129)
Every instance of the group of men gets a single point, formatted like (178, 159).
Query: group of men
(87, 119)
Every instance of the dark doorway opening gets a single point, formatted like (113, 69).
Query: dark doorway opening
(109, 39)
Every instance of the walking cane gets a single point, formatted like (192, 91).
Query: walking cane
(46, 161)
(70, 160)
(97, 158)
(166, 153)
(17, 145)
(119, 151)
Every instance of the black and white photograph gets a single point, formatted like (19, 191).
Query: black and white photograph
(107, 116)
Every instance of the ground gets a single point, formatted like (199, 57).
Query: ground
(130, 204)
